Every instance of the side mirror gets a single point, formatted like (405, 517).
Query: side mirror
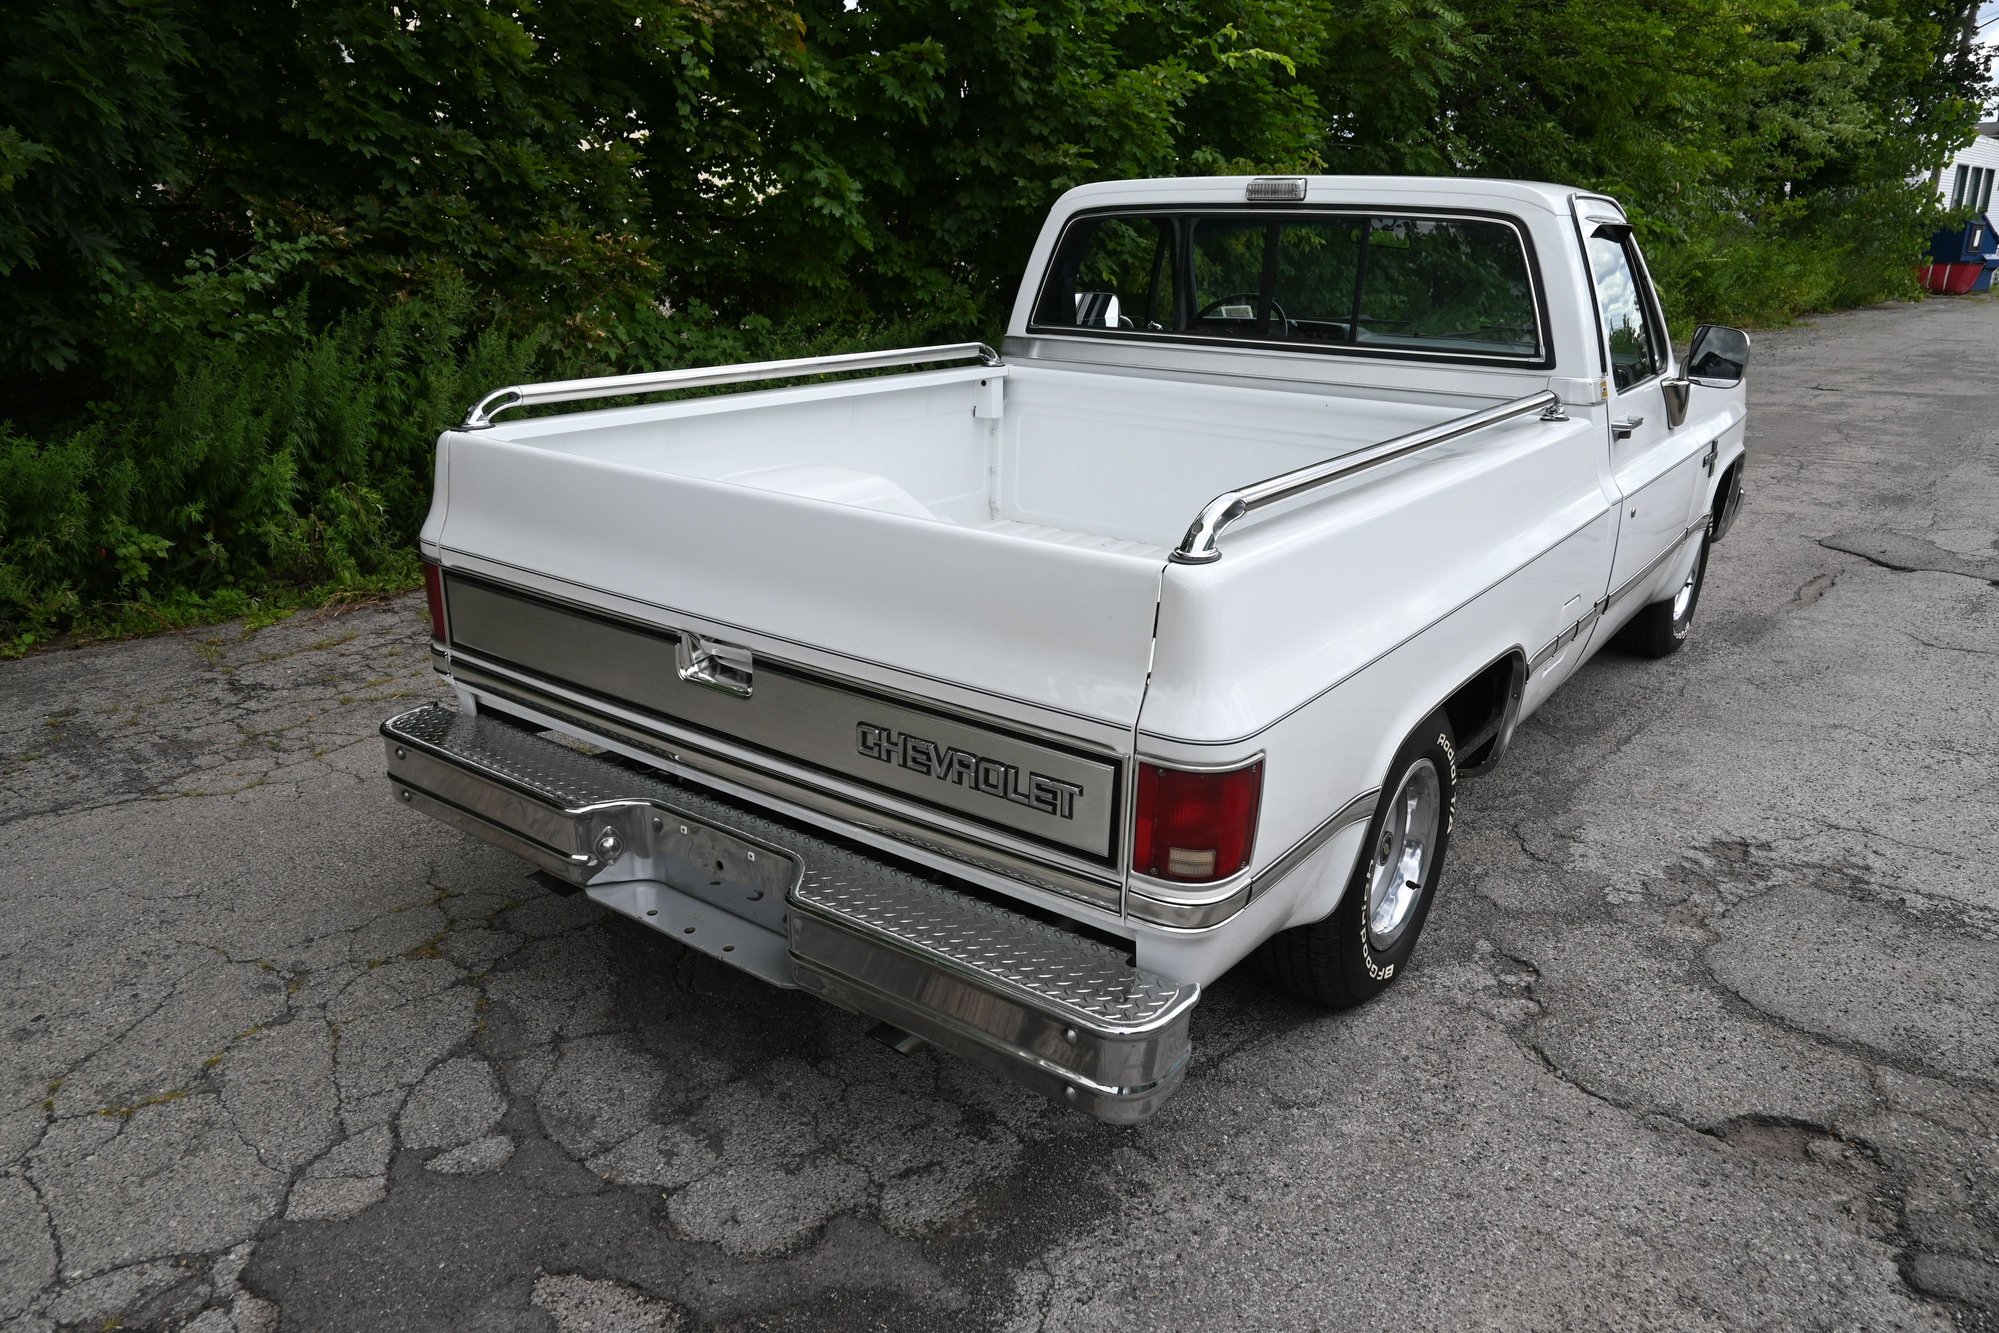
(1097, 310)
(1719, 357)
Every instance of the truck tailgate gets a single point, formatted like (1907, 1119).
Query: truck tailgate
(1040, 627)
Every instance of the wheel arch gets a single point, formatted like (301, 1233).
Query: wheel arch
(1485, 709)
(1726, 501)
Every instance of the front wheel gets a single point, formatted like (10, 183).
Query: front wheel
(1354, 954)
(1660, 629)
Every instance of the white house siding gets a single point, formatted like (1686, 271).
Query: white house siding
(1969, 177)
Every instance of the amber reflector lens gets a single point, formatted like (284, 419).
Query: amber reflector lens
(1195, 827)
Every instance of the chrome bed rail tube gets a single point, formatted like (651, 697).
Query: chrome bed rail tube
(700, 377)
(1200, 545)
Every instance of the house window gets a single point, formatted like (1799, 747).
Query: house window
(1957, 185)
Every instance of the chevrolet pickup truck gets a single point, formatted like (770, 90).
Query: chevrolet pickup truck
(1008, 700)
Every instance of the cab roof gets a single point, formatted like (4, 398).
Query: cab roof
(1435, 191)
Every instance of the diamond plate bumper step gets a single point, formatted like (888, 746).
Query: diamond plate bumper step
(1059, 1012)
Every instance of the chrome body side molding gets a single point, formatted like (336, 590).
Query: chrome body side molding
(1604, 605)
(1216, 909)
(1356, 811)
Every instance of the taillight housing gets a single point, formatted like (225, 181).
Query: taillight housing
(433, 591)
(1195, 826)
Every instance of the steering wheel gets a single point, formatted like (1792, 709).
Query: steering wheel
(1252, 297)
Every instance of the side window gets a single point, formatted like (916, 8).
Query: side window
(1112, 273)
(1634, 353)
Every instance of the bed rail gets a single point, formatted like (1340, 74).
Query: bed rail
(1200, 545)
(699, 377)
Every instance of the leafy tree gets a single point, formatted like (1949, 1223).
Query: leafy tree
(256, 251)
(93, 144)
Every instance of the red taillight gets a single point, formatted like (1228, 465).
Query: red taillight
(1195, 827)
(433, 591)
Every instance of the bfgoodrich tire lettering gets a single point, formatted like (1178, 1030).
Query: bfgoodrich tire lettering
(1358, 951)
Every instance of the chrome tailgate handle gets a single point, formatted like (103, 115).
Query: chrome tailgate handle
(727, 667)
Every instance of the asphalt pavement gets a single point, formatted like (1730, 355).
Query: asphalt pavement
(1703, 1033)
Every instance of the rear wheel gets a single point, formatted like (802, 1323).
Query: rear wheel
(1354, 954)
(1660, 629)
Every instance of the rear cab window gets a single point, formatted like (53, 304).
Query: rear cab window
(1430, 287)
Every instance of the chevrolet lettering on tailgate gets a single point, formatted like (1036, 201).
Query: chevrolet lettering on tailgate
(948, 763)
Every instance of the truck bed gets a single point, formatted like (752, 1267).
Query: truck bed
(1118, 466)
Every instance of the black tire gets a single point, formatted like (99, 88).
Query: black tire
(1657, 631)
(1340, 961)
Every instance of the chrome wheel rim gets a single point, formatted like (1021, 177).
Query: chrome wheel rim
(1403, 853)
(1683, 600)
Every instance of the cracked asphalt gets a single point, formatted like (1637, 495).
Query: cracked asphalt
(1704, 1033)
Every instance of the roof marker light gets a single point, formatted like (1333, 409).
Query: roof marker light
(1276, 190)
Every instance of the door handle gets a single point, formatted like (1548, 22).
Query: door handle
(1622, 427)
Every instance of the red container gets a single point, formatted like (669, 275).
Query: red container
(1950, 279)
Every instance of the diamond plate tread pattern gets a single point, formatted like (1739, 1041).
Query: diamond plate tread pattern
(566, 778)
(1092, 980)
(1055, 967)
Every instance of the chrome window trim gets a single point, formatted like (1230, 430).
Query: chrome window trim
(1542, 358)
(1297, 370)
(1411, 637)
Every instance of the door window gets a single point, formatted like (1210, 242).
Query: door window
(1634, 346)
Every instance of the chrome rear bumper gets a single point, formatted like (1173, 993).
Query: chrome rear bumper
(1040, 1004)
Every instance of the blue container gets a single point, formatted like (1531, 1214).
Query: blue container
(1972, 243)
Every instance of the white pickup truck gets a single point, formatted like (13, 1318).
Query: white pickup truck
(1011, 701)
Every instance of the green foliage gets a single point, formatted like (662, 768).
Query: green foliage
(261, 467)
(256, 254)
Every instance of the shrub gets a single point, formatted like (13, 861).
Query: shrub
(267, 466)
